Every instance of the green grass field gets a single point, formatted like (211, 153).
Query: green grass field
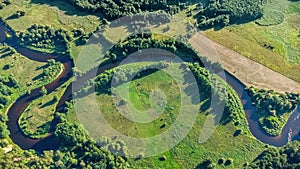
(188, 153)
(19, 66)
(253, 40)
(139, 93)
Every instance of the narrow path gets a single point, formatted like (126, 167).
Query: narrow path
(246, 70)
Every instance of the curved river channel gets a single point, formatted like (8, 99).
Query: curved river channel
(289, 132)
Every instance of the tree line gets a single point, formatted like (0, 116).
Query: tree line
(210, 85)
(113, 9)
(45, 37)
(221, 13)
(142, 41)
(7, 85)
(287, 157)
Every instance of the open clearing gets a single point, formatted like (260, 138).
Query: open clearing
(275, 46)
(188, 153)
(248, 71)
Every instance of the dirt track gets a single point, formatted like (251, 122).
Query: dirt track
(249, 72)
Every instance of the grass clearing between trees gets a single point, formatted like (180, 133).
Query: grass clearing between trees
(188, 153)
(18, 66)
(36, 119)
(56, 14)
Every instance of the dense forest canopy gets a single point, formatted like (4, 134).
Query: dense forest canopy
(224, 12)
(113, 9)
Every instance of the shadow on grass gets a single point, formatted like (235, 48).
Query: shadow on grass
(42, 67)
(68, 8)
(49, 103)
(37, 77)
(5, 55)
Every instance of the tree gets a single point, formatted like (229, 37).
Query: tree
(44, 90)
(71, 134)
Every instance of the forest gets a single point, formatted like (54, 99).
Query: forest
(113, 9)
(7, 85)
(219, 13)
(285, 157)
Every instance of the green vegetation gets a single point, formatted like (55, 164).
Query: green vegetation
(273, 108)
(113, 9)
(276, 46)
(79, 149)
(222, 144)
(36, 119)
(15, 68)
(7, 84)
(50, 71)
(139, 95)
(57, 15)
(138, 42)
(243, 146)
(211, 85)
(285, 157)
(273, 13)
(45, 38)
(4, 133)
(56, 27)
(221, 13)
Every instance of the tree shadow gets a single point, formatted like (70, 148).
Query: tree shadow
(37, 77)
(42, 67)
(5, 55)
(68, 8)
(11, 17)
(49, 103)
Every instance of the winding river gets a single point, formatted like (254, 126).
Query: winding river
(289, 132)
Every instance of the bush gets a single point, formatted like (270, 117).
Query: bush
(45, 37)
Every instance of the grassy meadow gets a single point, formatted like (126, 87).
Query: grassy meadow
(36, 119)
(275, 45)
(19, 66)
(222, 144)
